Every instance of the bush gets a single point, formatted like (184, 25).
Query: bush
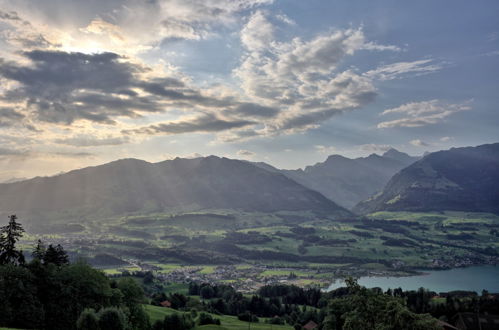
(88, 320)
(276, 320)
(176, 321)
(207, 319)
(247, 317)
(111, 318)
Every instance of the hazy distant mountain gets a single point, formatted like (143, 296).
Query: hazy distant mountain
(132, 185)
(461, 179)
(11, 180)
(348, 181)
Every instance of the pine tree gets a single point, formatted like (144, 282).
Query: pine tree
(39, 251)
(9, 236)
(55, 255)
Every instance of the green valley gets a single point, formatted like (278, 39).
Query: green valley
(248, 249)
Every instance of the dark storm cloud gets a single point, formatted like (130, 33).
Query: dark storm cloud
(205, 123)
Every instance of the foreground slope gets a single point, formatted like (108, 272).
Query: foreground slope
(348, 181)
(459, 179)
(131, 186)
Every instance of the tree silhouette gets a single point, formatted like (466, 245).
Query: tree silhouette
(39, 250)
(55, 255)
(9, 236)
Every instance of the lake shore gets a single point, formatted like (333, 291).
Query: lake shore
(474, 278)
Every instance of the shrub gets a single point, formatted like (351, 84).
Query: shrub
(88, 320)
(247, 317)
(207, 319)
(111, 318)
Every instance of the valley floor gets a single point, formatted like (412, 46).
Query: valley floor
(249, 250)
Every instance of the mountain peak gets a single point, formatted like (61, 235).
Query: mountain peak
(393, 153)
(335, 157)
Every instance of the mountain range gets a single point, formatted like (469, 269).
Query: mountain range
(349, 181)
(464, 179)
(460, 179)
(135, 186)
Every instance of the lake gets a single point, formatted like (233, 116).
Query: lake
(474, 278)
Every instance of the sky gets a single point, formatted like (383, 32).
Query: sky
(287, 82)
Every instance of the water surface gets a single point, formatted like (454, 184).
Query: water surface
(474, 278)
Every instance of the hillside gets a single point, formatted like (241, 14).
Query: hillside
(459, 179)
(132, 186)
(349, 181)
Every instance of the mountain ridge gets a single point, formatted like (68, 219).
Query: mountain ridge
(132, 185)
(347, 181)
(459, 179)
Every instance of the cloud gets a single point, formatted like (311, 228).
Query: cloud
(17, 32)
(285, 19)
(68, 154)
(492, 53)
(245, 153)
(446, 138)
(255, 110)
(375, 147)
(325, 149)
(193, 155)
(203, 124)
(238, 135)
(128, 26)
(9, 16)
(419, 143)
(258, 32)
(89, 141)
(285, 86)
(60, 87)
(422, 113)
(403, 69)
(9, 117)
(301, 77)
(11, 152)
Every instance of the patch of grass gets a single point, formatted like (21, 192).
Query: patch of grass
(177, 287)
(228, 322)
(166, 268)
(119, 270)
(278, 272)
(209, 327)
(207, 270)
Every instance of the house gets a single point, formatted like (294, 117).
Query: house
(474, 321)
(310, 325)
(166, 303)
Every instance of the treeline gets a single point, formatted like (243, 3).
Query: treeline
(343, 308)
(50, 293)
(282, 304)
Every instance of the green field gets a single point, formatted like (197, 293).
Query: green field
(227, 322)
